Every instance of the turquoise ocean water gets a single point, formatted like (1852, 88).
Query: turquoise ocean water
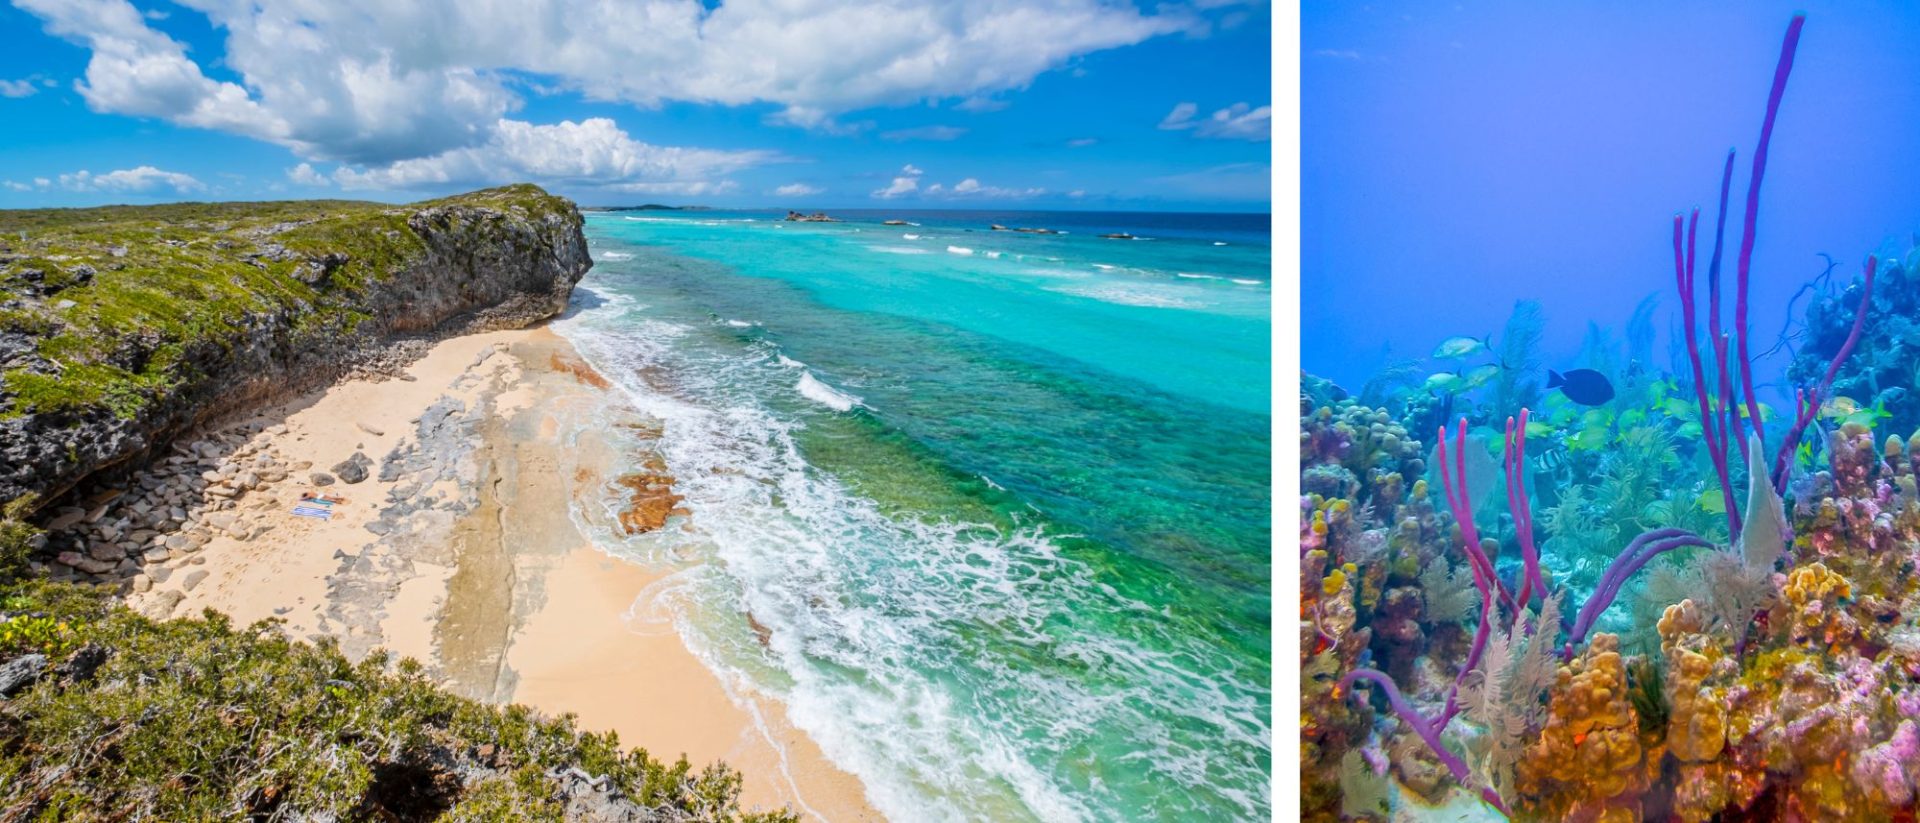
(998, 503)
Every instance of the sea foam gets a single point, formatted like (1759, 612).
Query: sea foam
(825, 395)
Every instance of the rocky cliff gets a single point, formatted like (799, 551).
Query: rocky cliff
(122, 327)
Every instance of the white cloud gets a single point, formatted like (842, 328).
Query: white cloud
(981, 105)
(370, 82)
(1337, 54)
(306, 176)
(1239, 121)
(1077, 193)
(1181, 117)
(1082, 142)
(593, 153)
(137, 71)
(139, 179)
(41, 182)
(924, 133)
(797, 190)
(971, 187)
(17, 186)
(18, 88)
(906, 183)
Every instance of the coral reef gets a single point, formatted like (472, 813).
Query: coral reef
(1782, 677)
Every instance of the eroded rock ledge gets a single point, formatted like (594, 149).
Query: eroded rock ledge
(123, 327)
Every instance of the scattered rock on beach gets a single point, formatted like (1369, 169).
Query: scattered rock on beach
(353, 469)
(161, 606)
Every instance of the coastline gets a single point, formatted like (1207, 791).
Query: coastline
(460, 549)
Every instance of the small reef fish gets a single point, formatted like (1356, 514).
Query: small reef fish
(1447, 382)
(1480, 375)
(1454, 348)
(1552, 460)
(1584, 386)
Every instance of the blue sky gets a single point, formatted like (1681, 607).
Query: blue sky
(1459, 156)
(906, 103)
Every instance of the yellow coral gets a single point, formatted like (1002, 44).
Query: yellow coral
(1697, 718)
(1336, 580)
(1810, 605)
(1588, 763)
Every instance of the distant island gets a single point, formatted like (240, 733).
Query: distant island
(646, 207)
(998, 227)
(816, 217)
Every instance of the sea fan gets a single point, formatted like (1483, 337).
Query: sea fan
(1507, 694)
(1364, 793)
(1600, 352)
(1391, 383)
(1449, 593)
(1518, 386)
(1733, 591)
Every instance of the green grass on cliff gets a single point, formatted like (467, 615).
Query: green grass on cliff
(115, 296)
(203, 720)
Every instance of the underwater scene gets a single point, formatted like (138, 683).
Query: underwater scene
(1609, 442)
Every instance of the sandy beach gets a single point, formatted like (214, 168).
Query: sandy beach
(460, 548)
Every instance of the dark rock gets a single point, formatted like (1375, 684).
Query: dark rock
(80, 666)
(19, 673)
(320, 479)
(353, 469)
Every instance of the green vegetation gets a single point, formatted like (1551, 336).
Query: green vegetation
(16, 538)
(201, 720)
(117, 298)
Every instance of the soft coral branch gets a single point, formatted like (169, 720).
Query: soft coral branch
(1809, 401)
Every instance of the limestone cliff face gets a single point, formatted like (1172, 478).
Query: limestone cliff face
(122, 327)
